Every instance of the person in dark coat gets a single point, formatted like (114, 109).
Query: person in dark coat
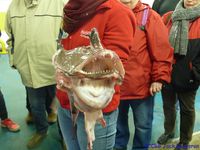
(164, 6)
(183, 24)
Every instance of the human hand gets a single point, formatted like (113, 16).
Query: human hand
(63, 82)
(155, 87)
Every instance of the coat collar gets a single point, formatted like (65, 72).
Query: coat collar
(140, 7)
(31, 3)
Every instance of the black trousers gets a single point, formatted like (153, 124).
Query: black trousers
(3, 110)
(187, 112)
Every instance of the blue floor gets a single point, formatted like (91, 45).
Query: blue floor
(14, 95)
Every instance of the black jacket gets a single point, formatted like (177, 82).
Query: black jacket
(163, 6)
(186, 69)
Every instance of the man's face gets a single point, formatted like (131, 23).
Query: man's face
(191, 3)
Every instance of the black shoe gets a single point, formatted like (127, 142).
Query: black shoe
(164, 138)
(181, 146)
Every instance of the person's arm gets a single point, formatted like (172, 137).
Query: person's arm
(196, 69)
(119, 33)
(10, 41)
(196, 64)
(160, 49)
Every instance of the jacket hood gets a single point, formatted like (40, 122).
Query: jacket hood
(140, 7)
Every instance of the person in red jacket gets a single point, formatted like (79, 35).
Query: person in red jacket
(116, 25)
(147, 69)
(183, 24)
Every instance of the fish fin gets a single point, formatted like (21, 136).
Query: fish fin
(74, 116)
(74, 112)
(102, 122)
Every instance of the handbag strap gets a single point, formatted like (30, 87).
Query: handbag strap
(144, 18)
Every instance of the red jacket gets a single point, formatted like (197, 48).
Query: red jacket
(151, 57)
(116, 27)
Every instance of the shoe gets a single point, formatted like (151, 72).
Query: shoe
(164, 138)
(36, 139)
(64, 145)
(182, 146)
(52, 117)
(10, 125)
(29, 118)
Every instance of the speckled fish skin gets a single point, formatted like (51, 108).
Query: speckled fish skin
(94, 71)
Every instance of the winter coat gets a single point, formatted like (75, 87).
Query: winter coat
(186, 69)
(32, 31)
(116, 26)
(151, 57)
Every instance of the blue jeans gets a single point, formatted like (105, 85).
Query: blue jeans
(37, 100)
(143, 117)
(104, 137)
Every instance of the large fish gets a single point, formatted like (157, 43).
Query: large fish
(93, 72)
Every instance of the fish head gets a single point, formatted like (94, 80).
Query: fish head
(94, 71)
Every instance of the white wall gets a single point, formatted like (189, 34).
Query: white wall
(150, 2)
(4, 5)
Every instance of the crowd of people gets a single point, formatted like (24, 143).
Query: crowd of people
(159, 48)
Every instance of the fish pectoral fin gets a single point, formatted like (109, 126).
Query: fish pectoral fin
(102, 122)
(74, 116)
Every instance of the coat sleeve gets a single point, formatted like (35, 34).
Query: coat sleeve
(167, 18)
(119, 32)
(10, 41)
(196, 66)
(160, 50)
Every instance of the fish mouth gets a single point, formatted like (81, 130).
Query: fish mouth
(102, 64)
(95, 81)
(92, 95)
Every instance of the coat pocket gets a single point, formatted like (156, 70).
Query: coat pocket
(183, 77)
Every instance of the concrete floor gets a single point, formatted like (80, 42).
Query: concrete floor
(194, 144)
(14, 94)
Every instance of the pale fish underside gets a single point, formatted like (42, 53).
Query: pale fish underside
(93, 71)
